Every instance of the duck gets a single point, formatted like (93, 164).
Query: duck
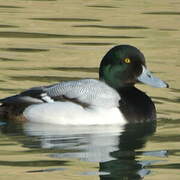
(111, 99)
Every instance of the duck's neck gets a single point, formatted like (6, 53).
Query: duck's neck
(126, 88)
(136, 105)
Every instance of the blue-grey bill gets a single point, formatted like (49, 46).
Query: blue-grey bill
(146, 77)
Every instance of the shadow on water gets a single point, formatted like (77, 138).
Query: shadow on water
(114, 148)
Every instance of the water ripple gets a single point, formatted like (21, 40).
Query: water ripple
(7, 26)
(112, 27)
(1, 6)
(81, 69)
(88, 44)
(101, 6)
(66, 19)
(10, 59)
(23, 49)
(44, 78)
(163, 13)
(10, 34)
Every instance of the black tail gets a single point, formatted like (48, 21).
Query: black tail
(13, 106)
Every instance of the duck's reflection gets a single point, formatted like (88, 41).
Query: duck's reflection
(126, 165)
(113, 147)
(88, 143)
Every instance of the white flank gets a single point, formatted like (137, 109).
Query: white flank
(68, 113)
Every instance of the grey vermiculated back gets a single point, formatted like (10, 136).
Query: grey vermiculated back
(90, 91)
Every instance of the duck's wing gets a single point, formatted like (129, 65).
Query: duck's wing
(86, 92)
(30, 96)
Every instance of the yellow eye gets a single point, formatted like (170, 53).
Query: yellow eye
(127, 60)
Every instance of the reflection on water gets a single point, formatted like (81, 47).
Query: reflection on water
(125, 165)
(114, 148)
(92, 143)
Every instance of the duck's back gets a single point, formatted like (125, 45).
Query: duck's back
(91, 92)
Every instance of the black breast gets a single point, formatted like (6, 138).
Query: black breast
(136, 105)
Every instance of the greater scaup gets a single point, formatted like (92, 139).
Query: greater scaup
(113, 99)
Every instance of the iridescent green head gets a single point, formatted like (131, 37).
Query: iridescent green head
(124, 65)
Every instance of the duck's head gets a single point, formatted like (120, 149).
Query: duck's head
(124, 65)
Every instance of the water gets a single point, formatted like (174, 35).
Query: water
(46, 41)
